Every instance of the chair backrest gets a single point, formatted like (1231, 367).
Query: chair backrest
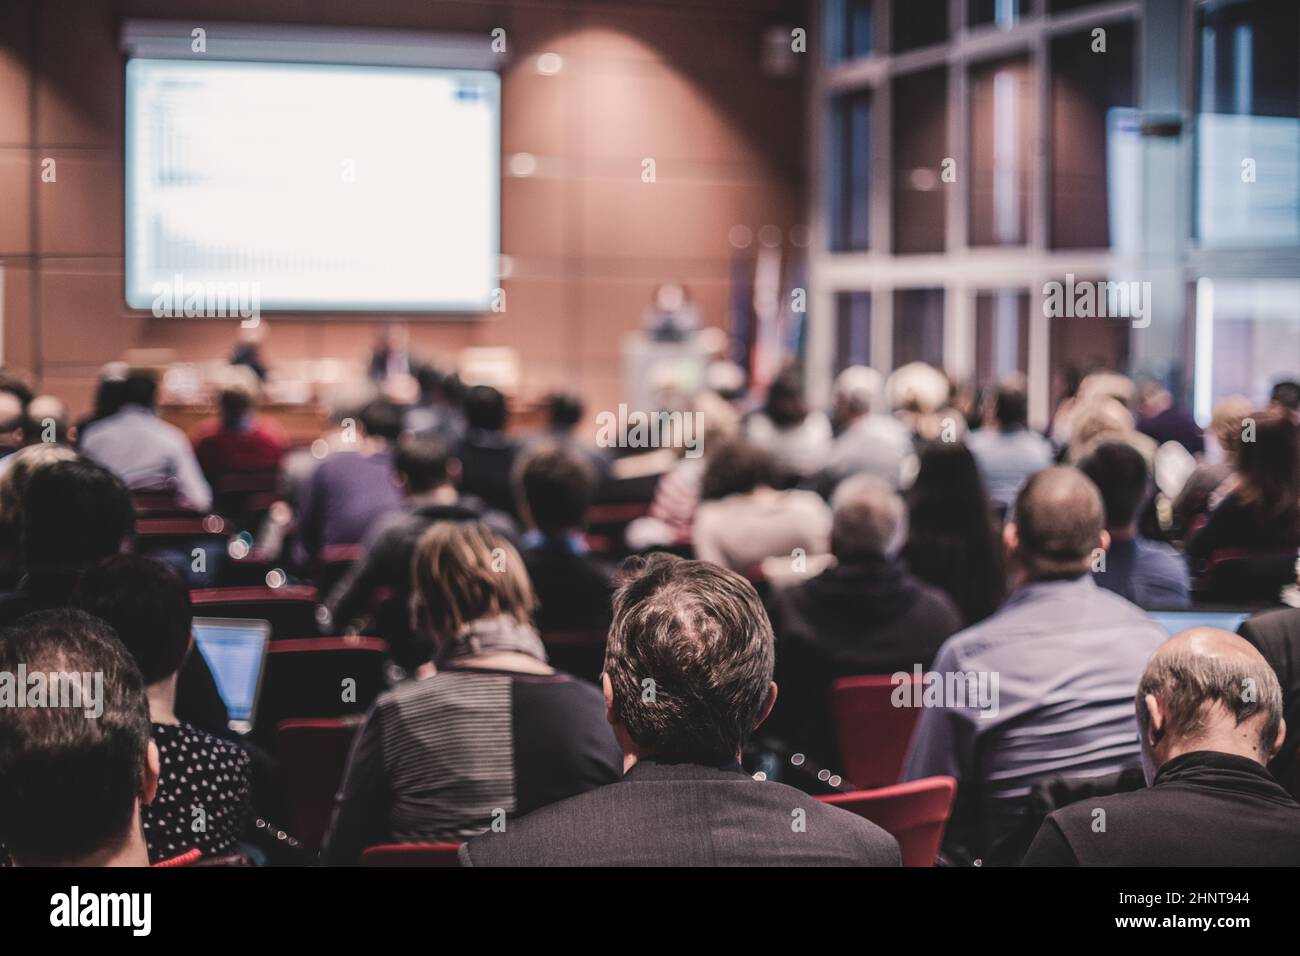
(313, 755)
(411, 854)
(291, 609)
(580, 653)
(163, 503)
(871, 732)
(915, 814)
(319, 677)
(1236, 574)
(332, 563)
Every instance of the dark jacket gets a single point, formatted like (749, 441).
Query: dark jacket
(1204, 809)
(573, 586)
(1276, 635)
(869, 616)
(686, 815)
(487, 460)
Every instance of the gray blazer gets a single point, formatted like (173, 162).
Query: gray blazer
(686, 815)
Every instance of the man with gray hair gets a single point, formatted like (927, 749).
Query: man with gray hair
(1209, 711)
(867, 439)
(865, 615)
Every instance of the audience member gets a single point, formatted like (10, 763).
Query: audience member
(1276, 634)
(144, 451)
(688, 676)
(865, 615)
(555, 486)
(239, 441)
(1005, 449)
(743, 519)
(1150, 574)
(1209, 714)
(1100, 419)
(486, 454)
(867, 440)
(13, 424)
(74, 514)
(203, 779)
(51, 423)
(437, 411)
(797, 438)
(75, 780)
(921, 397)
(1286, 396)
(1223, 443)
(352, 487)
(1066, 656)
(13, 493)
(427, 476)
(1163, 420)
(564, 411)
(952, 540)
(493, 733)
(1257, 510)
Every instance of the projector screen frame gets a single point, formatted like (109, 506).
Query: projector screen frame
(322, 46)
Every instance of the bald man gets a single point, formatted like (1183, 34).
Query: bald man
(1055, 668)
(1209, 710)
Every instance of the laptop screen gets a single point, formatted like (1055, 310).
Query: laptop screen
(1175, 622)
(235, 651)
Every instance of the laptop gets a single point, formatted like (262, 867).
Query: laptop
(235, 651)
(1175, 622)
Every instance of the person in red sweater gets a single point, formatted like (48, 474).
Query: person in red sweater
(238, 441)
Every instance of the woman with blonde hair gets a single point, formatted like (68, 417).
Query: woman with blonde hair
(488, 730)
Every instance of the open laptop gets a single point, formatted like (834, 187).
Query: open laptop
(1175, 622)
(235, 650)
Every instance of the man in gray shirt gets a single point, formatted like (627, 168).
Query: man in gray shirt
(1050, 676)
(1005, 449)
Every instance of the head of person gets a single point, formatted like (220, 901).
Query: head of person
(554, 486)
(948, 493)
(348, 400)
(785, 404)
(688, 662)
(72, 782)
(16, 478)
(465, 572)
(237, 396)
(736, 467)
(424, 464)
(74, 514)
(485, 408)
(564, 411)
(110, 393)
(1226, 423)
(141, 388)
(1010, 404)
(869, 519)
(1097, 420)
(856, 393)
(382, 420)
(1057, 525)
(13, 422)
(1120, 473)
(1286, 395)
(49, 419)
(1207, 689)
(148, 606)
(1268, 464)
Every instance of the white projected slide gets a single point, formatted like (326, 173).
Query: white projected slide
(325, 187)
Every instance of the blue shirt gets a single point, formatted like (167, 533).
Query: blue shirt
(147, 454)
(1006, 459)
(1067, 657)
(1150, 574)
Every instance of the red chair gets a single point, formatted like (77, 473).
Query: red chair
(291, 609)
(411, 854)
(185, 527)
(332, 563)
(304, 679)
(313, 754)
(872, 733)
(1243, 576)
(914, 813)
(163, 503)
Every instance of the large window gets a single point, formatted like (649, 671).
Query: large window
(1247, 334)
(852, 329)
(1001, 110)
(848, 172)
(849, 29)
(999, 13)
(1248, 124)
(1095, 139)
(918, 23)
(918, 326)
(920, 148)
(1001, 334)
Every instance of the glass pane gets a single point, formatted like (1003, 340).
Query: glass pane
(849, 29)
(848, 174)
(1001, 13)
(852, 329)
(1001, 334)
(1002, 107)
(918, 326)
(920, 124)
(919, 23)
(1248, 124)
(1080, 344)
(1247, 339)
(1096, 143)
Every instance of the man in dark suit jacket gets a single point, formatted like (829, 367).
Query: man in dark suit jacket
(1210, 718)
(688, 675)
(1276, 634)
(486, 453)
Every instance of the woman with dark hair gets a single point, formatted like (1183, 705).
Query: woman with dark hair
(489, 730)
(952, 540)
(1257, 509)
(798, 440)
